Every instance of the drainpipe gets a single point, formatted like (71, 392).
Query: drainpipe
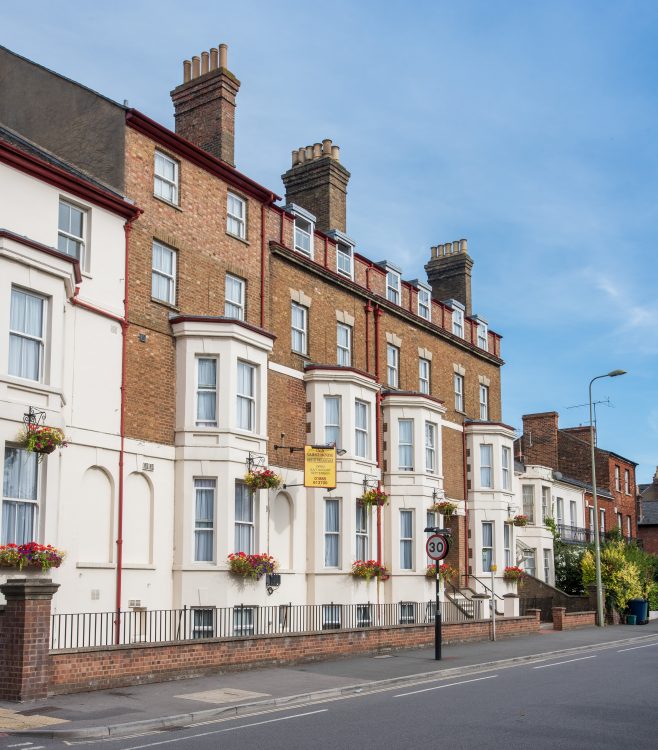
(368, 309)
(378, 429)
(465, 502)
(262, 264)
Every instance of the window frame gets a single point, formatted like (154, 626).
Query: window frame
(424, 378)
(331, 616)
(203, 629)
(33, 503)
(431, 429)
(486, 567)
(247, 398)
(244, 629)
(486, 467)
(333, 563)
(25, 336)
(331, 429)
(239, 220)
(362, 430)
(392, 368)
(206, 389)
(235, 282)
(393, 290)
(65, 234)
(484, 402)
(161, 179)
(458, 384)
(344, 351)
(458, 323)
(362, 532)
(505, 467)
(528, 501)
(344, 250)
(483, 336)
(302, 333)
(547, 564)
(627, 482)
(211, 530)
(507, 544)
(307, 232)
(244, 497)
(406, 542)
(617, 478)
(406, 449)
(171, 279)
(424, 303)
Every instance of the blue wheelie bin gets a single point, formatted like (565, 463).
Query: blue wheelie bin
(639, 608)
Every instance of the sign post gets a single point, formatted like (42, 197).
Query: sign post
(437, 547)
(494, 568)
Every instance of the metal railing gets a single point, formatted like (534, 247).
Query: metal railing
(579, 535)
(98, 629)
(543, 603)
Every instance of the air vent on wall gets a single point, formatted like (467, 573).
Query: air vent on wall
(148, 467)
(134, 602)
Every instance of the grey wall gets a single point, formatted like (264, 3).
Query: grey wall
(75, 123)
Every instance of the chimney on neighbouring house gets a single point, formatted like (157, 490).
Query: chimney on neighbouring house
(204, 104)
(581, 432)
(539, 441)
(449, 273)
(317, 181)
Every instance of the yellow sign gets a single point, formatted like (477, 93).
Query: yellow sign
(319, 467)
(493, 568)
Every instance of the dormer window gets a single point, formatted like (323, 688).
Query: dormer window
(424, 303)
(344, 253)
(303, 230)
(483, 335)
(457, 320)
(393, 286)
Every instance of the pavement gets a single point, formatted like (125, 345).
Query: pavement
(165, 705)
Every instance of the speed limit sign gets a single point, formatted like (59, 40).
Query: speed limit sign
(437, 546)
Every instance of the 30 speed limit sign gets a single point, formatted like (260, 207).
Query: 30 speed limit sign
(437, 546)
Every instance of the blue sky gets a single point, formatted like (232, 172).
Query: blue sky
(527, 127)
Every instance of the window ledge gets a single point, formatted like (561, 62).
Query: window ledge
(100, 565)
(300, 355)
(32, 385)
(167, 203)
(237, 237)
(162, 303)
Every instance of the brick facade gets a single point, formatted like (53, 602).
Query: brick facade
(563, 620)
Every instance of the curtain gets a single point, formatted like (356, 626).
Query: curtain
(244, 519)
(406, 541)
(207, 390)
(332, 533)
(245, 396)
(487, 545)
(332, 420)
(486, 457)
(362, 552)
(26, 318)
(406, 444)
(204, 520)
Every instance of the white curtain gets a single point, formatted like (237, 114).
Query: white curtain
(332, 420)
(204, 520)
(20, 480)
(487, 545)
(406, 541)
(245, 396)
(244, 519)
(362, 551)
(25, 340)
(207, 390)
(332, 532)
(406, 447)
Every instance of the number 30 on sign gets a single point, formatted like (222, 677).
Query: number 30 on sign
(437, 547)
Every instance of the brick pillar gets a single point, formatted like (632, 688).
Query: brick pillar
(25, 638)
(536, 613)
(558, 618)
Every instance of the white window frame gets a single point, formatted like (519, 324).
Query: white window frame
(362, 532)
(458, 322)
(332, 432)
(205, 526)
(431, 432)
(234, 307)
(164, 187)
(301, 332)
(331, 533)
(331, 616)
(573, 510)
(345, 259)
(68, 237)
(236, 216)
(244, 523)
(406, 542)
(629, 530)
(424, 375)
(406, 448)
(530, 561)
(21, 335)
(170, 279)
(344, 347)
(244, 620)
(528, 501)
(303, 234)
(201, 628)
(361, 428)
(31, 504)
(424, 303)
(484, 402)
(247, 398)
(601, 520)
(483, 336)
(627, 482)
(458, 381)
(206, 388)
(486, 466)
(547, 565)
(618, 478)
(486, 565)
(392, 366)
(559, 510)
(507, 544)
(393, 286)
(506, 466)
(546, 503)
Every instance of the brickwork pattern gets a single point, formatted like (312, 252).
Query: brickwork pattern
(119, 666)
(563, 620)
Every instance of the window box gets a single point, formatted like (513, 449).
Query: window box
(251, 566)
(30, 556)
(369, 569)
(513, 573)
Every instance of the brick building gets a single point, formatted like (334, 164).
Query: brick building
(568, 451)
(256, 327)
(647, 527)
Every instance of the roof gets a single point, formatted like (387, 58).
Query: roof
(649, 513)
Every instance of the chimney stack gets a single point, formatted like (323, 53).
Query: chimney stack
(449, 273)
(539, 439)
(204, 104)
(317, 181)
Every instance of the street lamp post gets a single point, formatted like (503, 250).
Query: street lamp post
(597, 542)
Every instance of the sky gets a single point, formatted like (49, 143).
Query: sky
(529, 128)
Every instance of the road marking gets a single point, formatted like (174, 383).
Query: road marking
(560, 663)
(440, 687)
(223, 731)
(636, 647)
(20, 744)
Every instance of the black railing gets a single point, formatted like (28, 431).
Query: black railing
(545, 604)
(97, 629)
(578, 535)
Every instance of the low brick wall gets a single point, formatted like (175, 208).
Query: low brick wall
(563, 620)
(76, 670)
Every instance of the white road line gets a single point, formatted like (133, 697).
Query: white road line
(636, 647)
(223, 731)
(20, 744)
(560, 663)
(440, 687)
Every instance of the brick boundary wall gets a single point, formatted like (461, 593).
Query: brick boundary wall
(563, 620)
(78, 670)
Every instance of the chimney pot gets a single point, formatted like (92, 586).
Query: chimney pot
(326, 147)
(187, 70)
(335, 153)
(223, 56)
(196, 66)
(295, 157)
(214, 58)
(301, 155)
(204, 62)
(464, 245)
(455, 247)
(309, 153)
(317, 150)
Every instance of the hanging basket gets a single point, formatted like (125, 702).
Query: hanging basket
(520, 520)
(262, 479)
(445, 508)
(375, 497)
(41, 439)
